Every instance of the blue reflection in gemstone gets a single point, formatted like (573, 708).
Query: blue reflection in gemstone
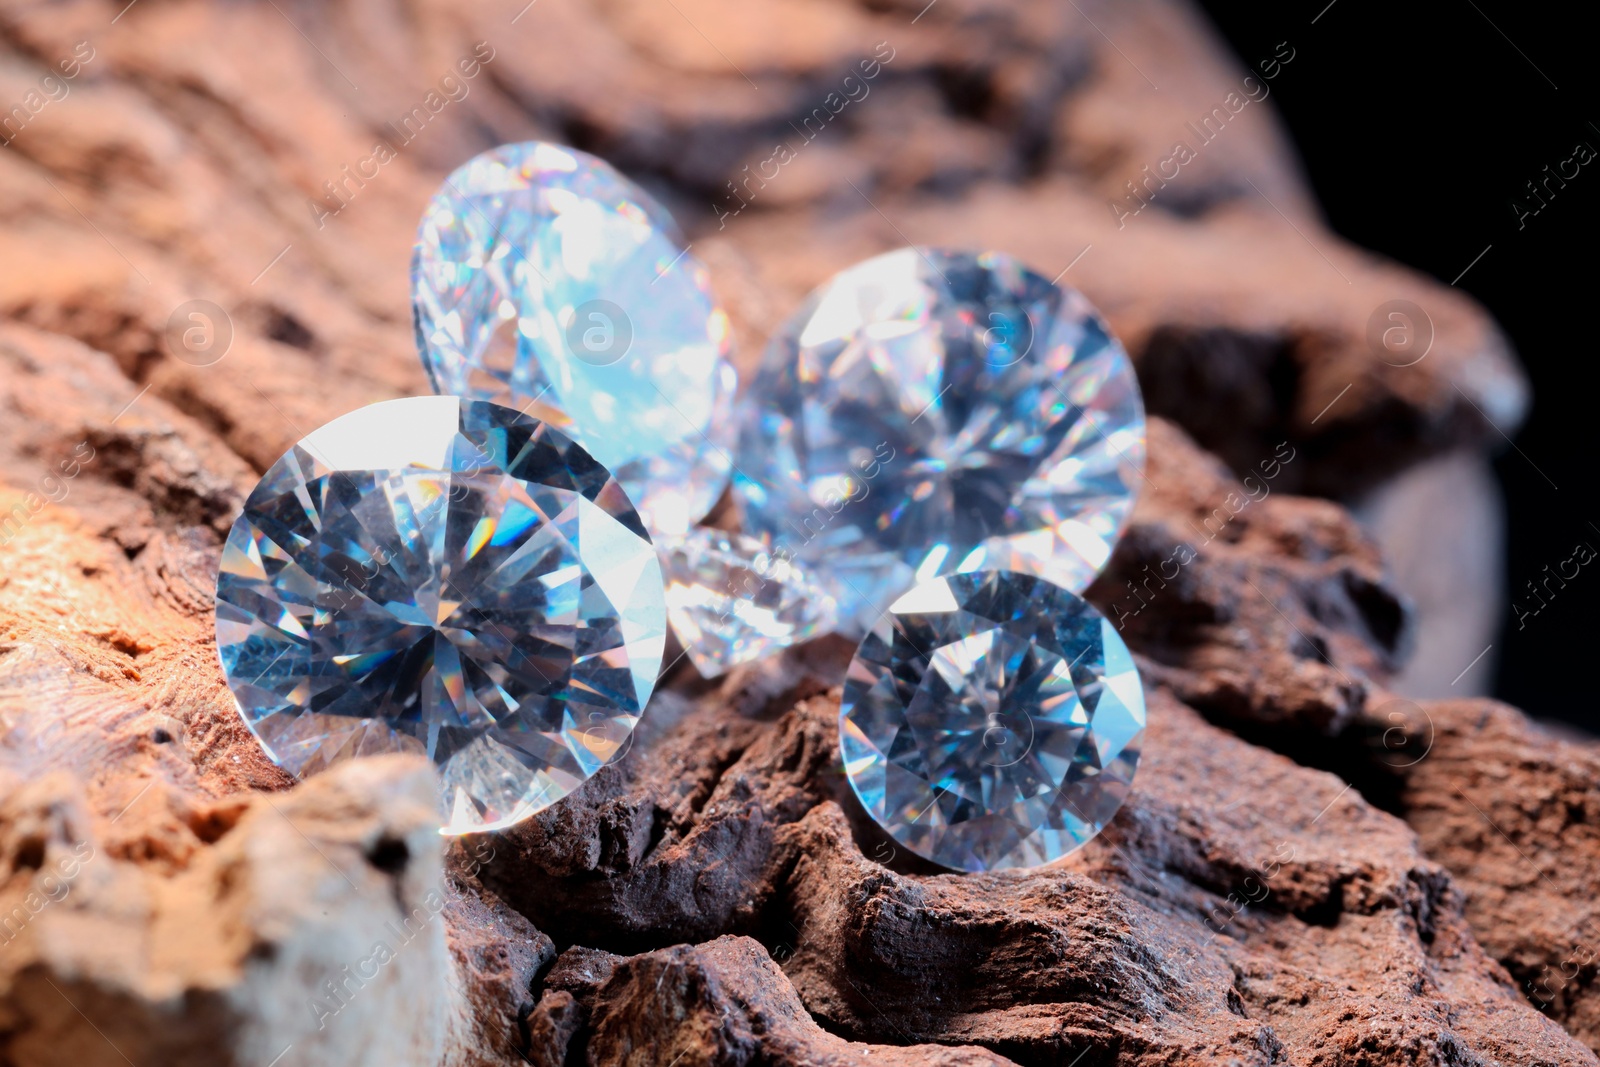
(545, 280)
(446, 577)
(991, 719)
(929, 412)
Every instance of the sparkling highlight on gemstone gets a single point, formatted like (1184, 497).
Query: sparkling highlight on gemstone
(928, 412)
(545, 280)
(446, 577)
(731, 600)
(991, 720)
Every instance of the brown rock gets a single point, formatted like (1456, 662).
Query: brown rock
(167, 898)
(1512, 812)
(671, 844)
(552, 1025)
(726, 1002)
(498, 956)
(1202, 924)
(1266, 611)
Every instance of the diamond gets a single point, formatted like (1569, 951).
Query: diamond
(545, 280)
(926, 413)
(446, 577)
(731, 600)
(991, 720)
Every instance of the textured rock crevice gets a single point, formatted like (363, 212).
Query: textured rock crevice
(1174, 906)
(168, 896)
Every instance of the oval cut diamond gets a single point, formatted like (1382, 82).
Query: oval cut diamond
(991, 720)
(545, 280)
(446, 577)
(927, 413)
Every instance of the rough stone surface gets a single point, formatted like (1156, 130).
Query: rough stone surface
(1267, 611)
(747, 1013)
(1513, 811)
(498, 956)
(715, 897)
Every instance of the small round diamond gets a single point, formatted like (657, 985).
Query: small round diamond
(929, 412)
(731, 600)
(545, 280)
(991, 720)
(446, 577)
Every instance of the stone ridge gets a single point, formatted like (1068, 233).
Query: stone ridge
(160, 879)
(1202, 923)
(731, 819)
(1267, 611)
(1512, 812)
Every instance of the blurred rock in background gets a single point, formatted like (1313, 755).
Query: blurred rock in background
(206, 216)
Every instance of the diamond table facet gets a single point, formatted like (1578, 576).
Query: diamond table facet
(928, 412)
(545, 280)
(991, 720)
(446, 577)
(731, 600)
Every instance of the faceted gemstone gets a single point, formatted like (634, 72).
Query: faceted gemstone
(732, 600)
(926, 413)
(545, 280)
(447, 577)
(991, 719)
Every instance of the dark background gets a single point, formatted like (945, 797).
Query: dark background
(1418, 125)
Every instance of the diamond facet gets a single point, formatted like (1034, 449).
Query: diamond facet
(928, 412)
(545, 280)
(991, 720)
(446, 577)
(731, 600)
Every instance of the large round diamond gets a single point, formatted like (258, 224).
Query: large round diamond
(446, 577)
(545, 280)
(929, 412)
(991, 720)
